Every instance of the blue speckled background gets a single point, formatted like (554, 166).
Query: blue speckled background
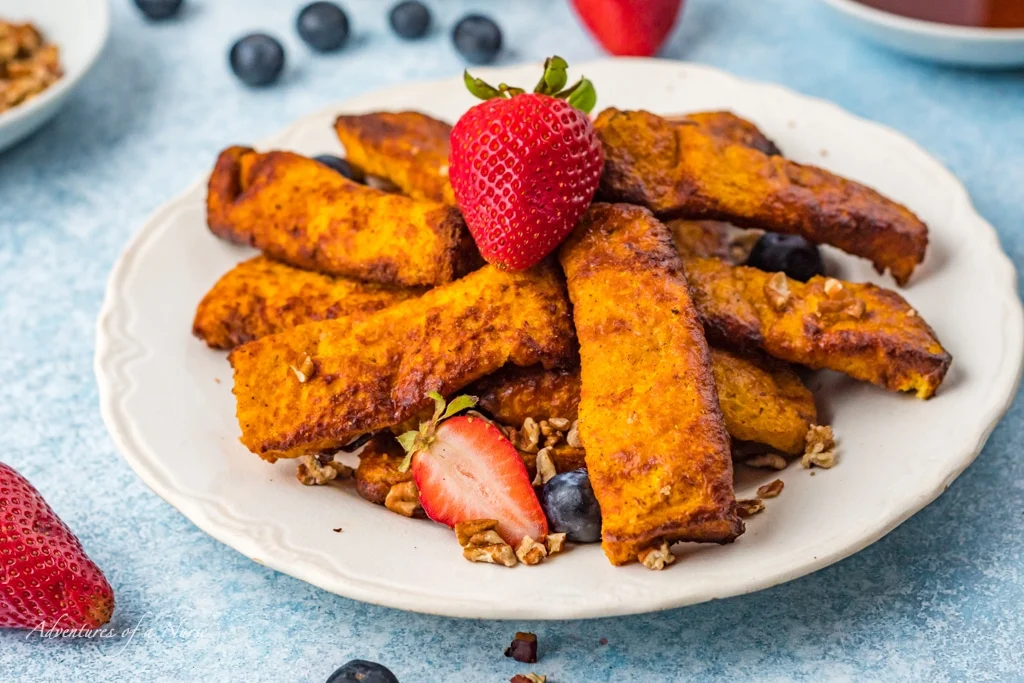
(938, 599)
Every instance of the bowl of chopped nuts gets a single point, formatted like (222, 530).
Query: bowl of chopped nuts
(46, 47)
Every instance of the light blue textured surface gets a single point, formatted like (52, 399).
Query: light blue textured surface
(938, 599)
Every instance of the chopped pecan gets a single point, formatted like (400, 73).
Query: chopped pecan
(573, 436)
(657, 558)
(749, 507)
(545, 467)
(771, 489)
(403, 498)
(776, 290)
(316, 470)
(772, 461)
(470, 528)
(554, 543)
(530, 551)
(820, 450)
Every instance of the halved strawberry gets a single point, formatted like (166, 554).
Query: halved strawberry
(466, 469)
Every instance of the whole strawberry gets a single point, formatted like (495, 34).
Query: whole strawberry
(46, 580)
(635, 28)
(524, 166)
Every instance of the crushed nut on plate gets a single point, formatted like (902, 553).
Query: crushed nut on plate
(771, 461)
(530, 552)
(403, 498)
(545, 467)
(554, 543)
(821, 447)
(771, 489)
(523, 648)
(657, 558)
(317, 470)
(481, 543)
(528, 678)
(749, 507)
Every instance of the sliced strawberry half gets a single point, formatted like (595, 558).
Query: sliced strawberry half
(466, 469)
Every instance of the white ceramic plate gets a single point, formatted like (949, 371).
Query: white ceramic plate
(167, 402)
(957, 45)
(79, 28)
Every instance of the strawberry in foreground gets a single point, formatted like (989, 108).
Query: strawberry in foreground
(525, 166)
(46, 580)
(635, 28)
(466, 469)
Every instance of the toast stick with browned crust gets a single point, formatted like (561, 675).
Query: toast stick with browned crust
(686, 171)
(298, 211)
(260, 297)
(315, 387)
(408, 148)
(860, 329)
(656, 446)
(762, 400)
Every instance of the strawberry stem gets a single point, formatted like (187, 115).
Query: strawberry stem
(413, 441)
(580, 95)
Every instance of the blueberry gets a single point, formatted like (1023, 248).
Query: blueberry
(571, 508)
(159, 9)
(341, 166)
(362, 671)
(323, 25)
(790, 254)
(410, 19)
(257, 59)
(477, 38)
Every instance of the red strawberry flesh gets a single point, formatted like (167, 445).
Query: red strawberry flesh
(523, 170)
(471, 471)
(46, 580)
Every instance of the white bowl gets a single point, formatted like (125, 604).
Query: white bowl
(79, 28)
(986, 48)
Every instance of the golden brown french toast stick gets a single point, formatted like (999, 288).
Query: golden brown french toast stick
(315, 387)
(862, 330)
(686, 171)
(729, 126)
(260, 296)
(303, 213)
(656, 446)
(762, 400)
(408, 148)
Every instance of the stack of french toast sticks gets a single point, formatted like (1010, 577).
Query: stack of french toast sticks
(659, 355)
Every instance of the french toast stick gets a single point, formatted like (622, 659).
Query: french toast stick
(656, 446)
(300, 212)
(684, 171)
(260, 297)
(315, 387)
(408, 148)
(860, 329)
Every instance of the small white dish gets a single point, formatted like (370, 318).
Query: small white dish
(166, 399)
(986, 48)
(80, 29)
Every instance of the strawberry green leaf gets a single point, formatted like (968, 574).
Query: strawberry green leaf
(554, 77)
(480, 88)
(583, 96)
(458, 405)
(410, 442)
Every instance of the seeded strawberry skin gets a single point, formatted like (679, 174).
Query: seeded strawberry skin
(46, 579)
(523, 171)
